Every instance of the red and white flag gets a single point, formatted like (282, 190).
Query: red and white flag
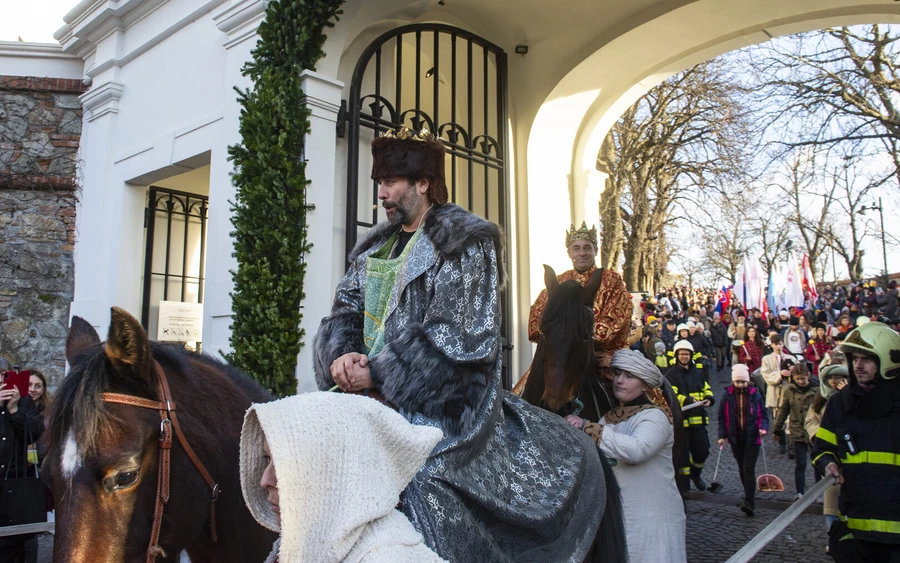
(809, 284)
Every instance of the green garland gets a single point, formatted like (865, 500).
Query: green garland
(269, 211)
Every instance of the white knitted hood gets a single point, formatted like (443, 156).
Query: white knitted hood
(341, 462)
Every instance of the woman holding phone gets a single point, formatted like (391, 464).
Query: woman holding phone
(20, 425)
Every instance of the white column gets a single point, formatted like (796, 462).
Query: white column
(323, 98)
(238, 20)
(99, 208)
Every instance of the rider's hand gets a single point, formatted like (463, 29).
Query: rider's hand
(832, 469)
(575, 421)
(10, 397)
(360, 378)
(342, 369)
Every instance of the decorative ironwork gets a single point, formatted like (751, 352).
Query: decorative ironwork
(464, 105)
(175, 255)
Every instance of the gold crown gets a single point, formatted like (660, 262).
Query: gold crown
(407, 134)
(582, 234)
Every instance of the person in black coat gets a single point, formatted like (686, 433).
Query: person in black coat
(20, 425)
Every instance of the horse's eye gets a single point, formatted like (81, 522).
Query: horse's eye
(126, 479)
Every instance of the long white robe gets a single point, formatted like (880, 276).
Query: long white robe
(654, 513)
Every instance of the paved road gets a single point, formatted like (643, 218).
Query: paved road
(715, 531)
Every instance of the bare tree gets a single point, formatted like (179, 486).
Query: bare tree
(727, 238)
(834, 87)
(684, 137)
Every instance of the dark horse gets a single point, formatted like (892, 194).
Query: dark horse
(103, 457)
(565, 375)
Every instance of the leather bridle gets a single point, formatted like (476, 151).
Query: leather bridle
(168, 423)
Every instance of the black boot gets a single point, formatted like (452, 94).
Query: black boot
(699, 483)
(747, 508)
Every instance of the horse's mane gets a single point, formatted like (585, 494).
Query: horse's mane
(78, 405)
(565, 312)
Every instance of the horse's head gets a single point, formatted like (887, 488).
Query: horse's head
(103, 458)
(566, 343)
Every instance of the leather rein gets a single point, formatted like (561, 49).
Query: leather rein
(168, 423)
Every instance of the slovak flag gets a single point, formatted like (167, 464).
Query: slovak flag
(723, 300)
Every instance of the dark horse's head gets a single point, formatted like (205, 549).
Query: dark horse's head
(566, 346)
(103, 458)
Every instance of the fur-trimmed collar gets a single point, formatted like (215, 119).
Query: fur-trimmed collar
(451, 229)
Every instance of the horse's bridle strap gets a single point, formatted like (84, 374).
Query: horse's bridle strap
(168, 424)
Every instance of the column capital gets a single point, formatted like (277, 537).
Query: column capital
(102, 99)
(321, 94)
(240, 20)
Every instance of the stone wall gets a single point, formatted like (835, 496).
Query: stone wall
(40, 128)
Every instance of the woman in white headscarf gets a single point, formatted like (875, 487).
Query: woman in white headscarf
(638, 435)
(330, 489)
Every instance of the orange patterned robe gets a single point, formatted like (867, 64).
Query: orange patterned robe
(612, 312)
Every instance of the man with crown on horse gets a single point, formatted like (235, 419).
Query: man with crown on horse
(416, 321)
(612, 305)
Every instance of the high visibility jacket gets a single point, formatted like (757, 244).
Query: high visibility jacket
(689, 386)
(861, 433)
(696, 359)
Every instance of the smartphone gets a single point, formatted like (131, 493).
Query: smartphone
(20, 379)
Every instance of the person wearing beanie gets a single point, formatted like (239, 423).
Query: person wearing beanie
(312, 481)
(743, 422)
(795, 402)
(639, 435)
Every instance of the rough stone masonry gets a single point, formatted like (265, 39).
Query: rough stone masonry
(40, 128)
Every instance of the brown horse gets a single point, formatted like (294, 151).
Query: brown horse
(565, 376)
(103, 458)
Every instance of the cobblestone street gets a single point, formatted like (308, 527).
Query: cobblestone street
(716, 528)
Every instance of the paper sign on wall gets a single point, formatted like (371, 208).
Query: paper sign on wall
(180, 322)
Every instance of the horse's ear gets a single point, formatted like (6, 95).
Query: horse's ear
(81, 337)
(551, 282)
(127, 345)
(592, 286)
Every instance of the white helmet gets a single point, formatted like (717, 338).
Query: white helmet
(682, 345)
(681, 327)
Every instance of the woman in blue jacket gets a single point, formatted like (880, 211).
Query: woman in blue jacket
(743, 421)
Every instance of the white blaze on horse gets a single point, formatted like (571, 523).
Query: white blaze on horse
(143, 453)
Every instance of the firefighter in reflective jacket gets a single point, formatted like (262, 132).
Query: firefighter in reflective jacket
(683, 333)
(690, 386)
(859, 444)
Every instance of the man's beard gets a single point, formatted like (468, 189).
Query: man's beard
(403, 208)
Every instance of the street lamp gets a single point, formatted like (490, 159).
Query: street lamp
(880, 209)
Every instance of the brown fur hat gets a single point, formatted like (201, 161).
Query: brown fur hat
(412, 159)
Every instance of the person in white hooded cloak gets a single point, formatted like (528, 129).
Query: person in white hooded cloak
(325, 471)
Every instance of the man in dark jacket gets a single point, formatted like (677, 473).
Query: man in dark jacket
(859, 444)
(20, 425)
(718, 333)
(690, 387)
(888, 300)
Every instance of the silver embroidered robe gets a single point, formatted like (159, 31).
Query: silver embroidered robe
(509, 482)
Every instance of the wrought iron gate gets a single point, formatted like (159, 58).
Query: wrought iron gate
(449, 81)
(175, 254)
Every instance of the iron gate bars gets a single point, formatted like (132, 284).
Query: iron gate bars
(175, 249)
(464, 106)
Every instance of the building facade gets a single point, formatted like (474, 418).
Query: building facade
(522, 93)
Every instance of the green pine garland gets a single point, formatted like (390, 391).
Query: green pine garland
(269, 213)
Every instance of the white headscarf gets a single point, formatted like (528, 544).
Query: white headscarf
(637, 365)
(341, 462)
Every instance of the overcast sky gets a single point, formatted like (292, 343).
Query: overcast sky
(32, 20)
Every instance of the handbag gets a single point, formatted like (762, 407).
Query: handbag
(23, 500)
